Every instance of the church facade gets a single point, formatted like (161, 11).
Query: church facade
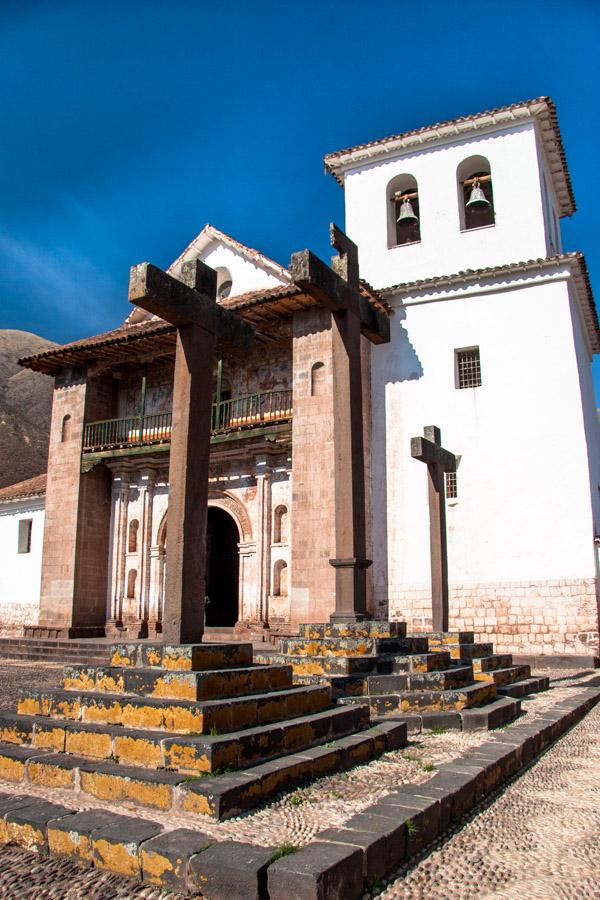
(493, 328)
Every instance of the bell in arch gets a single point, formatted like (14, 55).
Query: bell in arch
(478, 202)
(407, 215)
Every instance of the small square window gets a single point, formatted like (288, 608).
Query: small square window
(25, 526)
(468, 368)
(451, 486)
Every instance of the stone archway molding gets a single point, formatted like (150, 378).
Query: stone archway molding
(230, 504)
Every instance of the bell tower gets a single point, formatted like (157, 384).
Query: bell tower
(478, 192)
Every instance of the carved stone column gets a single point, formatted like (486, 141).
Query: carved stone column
(121, 488)
(263, 539)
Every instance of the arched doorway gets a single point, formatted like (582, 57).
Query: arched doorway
(222, 569)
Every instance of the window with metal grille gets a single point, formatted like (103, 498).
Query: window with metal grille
(468, 368)
(451, 486)
(25, 535)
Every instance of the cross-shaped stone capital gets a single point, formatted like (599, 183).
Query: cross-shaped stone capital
(190, 300)
(338, 291)
(428, 449)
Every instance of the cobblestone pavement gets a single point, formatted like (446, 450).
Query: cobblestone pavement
(298, 817)
(538, 839)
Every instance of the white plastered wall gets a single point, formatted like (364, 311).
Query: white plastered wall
(20, 573)
(522, 526)
(519, 232)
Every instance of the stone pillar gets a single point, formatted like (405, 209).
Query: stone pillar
(147, 483)
(312, 543)
(155, 601)
(74, 583)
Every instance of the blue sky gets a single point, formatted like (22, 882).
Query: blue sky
(127, 126)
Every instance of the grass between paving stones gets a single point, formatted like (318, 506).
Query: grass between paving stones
(286, 849)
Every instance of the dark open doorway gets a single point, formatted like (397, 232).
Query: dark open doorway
(222, 581)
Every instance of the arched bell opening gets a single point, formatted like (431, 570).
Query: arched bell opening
(403, 211)
(222, 569)
(475, 193)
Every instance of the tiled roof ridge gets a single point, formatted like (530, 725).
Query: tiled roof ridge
(582, 284)
(30, 487)
(332, 159)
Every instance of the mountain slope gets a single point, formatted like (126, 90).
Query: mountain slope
(25, 407)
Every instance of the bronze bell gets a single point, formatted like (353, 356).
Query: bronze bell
(407, 216)
(478, 202)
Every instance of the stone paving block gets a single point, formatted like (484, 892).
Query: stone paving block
(395, 734)
(320, 871)
(91, 740)
(474, 771)
(421, 817)
(384, 824)
(356, 749)
(421, 794)
(13, 761)
(15, 728)
(460, 789)
(27, 825)
(373, 847)
(165, 858)
(9, 802)
(283, 774)
(116, 846)
(221, 797)
(493, 715)
(230, 870)
(72, 836)
(323, 759)
(446, 720)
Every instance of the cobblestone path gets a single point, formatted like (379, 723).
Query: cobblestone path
(538, 840)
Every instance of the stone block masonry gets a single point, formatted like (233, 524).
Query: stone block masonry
(528, 617)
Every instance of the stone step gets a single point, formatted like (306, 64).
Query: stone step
(504, 676)
(446, 639)
(58, 659)
(320, 665)
(523, 688)
(220, 797)
(182, 753)
(214, 684)
(468, 652)
(369, 629)
(496, 661)
(230, 714)
(426, 701)
(180, 657)
(415, 662)
(442, 680)
(348, 647)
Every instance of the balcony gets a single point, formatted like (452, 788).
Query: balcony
(231, 419)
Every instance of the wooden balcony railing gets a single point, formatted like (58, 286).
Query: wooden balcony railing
(239, 413)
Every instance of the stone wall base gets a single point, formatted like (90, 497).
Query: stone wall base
(534, 618)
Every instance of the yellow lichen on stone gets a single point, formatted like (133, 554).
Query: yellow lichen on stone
(154, 866)
(29, 706)
(300, 735)
(176, 688)
(112, 684)
(70, 843)
(116, 858)
(87, 743)
(198, 803)
(10, 735)
(67, 709)
(186, 759)
(115, 788)
(154, 657)
(80, 682)
(26, 835)
(144, 717)
(11, 769)
(119, 660)
(137, 752)
(49, 738)
(50, 776)
(104, 714)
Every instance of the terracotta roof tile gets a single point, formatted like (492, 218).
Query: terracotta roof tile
(32, 487)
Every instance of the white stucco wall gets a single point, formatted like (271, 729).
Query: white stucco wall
(524, 508)
(20, 573)
(246, 274)
(514, 155)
